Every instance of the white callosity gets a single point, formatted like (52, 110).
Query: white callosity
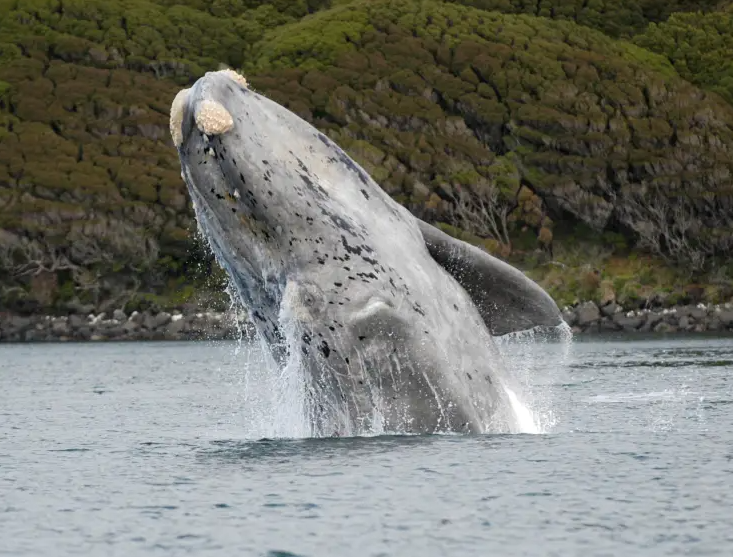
(176, 117)
(234, 76)
(212, 118)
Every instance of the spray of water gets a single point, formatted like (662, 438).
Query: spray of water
(273, 399)
(532, 360)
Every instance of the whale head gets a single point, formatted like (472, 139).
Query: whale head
(263, 181)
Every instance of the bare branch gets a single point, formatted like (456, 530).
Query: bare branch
(484, 215)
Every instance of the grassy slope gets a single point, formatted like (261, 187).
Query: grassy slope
(433, 99)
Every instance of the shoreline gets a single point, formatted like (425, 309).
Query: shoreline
(586, 319)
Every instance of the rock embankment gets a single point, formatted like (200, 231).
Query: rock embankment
(119, 326)
(585, 318)
(590, 318)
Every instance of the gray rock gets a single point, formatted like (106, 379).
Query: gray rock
(610, 309)
(153, 322)
(628, 323)
(651, 321)
(60, 328)
(175, 328)
(19, 324)
(587, 313)
(162, 319)
(684, 322)
(609, 325)
(569, 317)
(77, 321)
(698, 313)
(726, 317)
(665, 327)
(119, 315)
(115, 332)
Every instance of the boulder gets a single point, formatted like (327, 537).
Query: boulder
(587, 313)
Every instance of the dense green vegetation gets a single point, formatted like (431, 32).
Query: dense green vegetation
(601, 166)
(700, 46)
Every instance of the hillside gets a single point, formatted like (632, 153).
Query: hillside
(600, 166)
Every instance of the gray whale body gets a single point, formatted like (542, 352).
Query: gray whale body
(389, 319)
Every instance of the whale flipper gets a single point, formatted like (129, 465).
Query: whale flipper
(507, 300)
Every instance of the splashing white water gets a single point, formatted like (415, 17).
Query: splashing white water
(532, 360)
(273, 399)
(524, 417)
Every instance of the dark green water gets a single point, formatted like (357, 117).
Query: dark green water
(141, 449)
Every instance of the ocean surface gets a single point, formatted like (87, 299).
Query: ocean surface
(157, 449)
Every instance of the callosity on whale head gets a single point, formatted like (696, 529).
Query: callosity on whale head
(390, 318)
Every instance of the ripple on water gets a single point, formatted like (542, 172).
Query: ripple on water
(163, 468)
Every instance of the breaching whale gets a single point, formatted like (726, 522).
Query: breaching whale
(390, 319)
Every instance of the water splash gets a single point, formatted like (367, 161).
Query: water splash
(525, 419)
(274, 400)
(532, 360)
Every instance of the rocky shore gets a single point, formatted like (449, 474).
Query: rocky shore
(119, 326)
(589, 318)
(585, 318)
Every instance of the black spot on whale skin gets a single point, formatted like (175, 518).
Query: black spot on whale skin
(362, 337)
(365, 194)
(313, 186)
(339, 284)
(306, 338)
(470, 378)
(369, 260)
(325, 349)
(340, 222)
(356, 250)
(301, 165)
(367, 275)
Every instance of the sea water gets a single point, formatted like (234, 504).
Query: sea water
(157, 448)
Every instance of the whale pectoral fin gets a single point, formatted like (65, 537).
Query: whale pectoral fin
(507, 300)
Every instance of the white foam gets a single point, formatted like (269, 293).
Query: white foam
(524, 418)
